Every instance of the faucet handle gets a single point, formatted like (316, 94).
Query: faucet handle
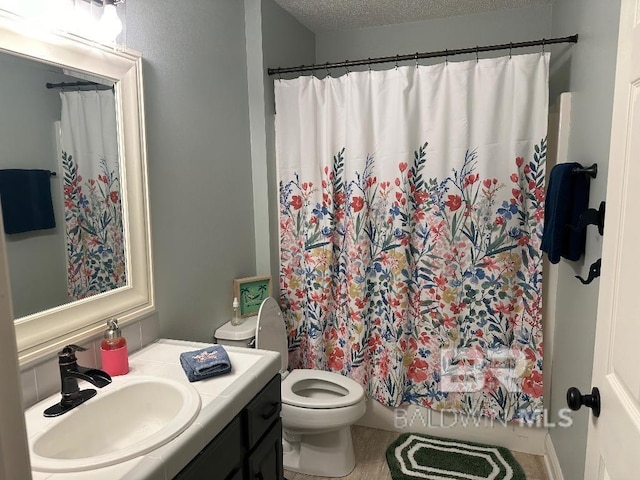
(68, 353)
(71, 348)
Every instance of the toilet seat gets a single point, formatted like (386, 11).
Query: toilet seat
(300, 380)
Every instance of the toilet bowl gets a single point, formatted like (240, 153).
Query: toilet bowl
(318, 408)
(314, 401)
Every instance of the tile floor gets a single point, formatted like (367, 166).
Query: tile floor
(370, 446)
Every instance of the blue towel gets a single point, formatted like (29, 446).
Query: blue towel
(566, 200)
(205, 363)
(26, 200)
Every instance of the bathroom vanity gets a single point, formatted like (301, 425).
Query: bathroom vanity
(236, 434)
(249, 447)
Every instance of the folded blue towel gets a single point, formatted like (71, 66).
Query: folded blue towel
(26, 200)
(205, 363)
(567, 199)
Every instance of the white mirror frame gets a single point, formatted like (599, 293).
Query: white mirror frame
(44, 332)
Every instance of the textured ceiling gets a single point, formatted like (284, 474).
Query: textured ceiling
(328, 15)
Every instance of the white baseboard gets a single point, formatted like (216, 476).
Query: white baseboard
(419, 420)
(554, 472)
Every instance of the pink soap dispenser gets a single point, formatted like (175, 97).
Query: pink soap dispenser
(113, 350)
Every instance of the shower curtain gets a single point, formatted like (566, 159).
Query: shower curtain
(411, 210)
(91, 189)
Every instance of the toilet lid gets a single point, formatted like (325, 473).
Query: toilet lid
(245, 331)
(353, 391)
(271, 333)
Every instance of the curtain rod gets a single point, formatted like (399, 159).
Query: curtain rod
(417, 56)
(99, 86)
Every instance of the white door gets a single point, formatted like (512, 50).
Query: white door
(613, 447)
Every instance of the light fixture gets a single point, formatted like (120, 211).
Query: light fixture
(110, 25)
(96, 20)
(42, 15)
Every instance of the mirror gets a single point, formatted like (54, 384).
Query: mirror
(44, 325)
(61, 122)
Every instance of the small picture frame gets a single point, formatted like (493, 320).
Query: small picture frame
(251, 292)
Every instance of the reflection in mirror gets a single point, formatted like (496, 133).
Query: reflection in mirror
(65, 237)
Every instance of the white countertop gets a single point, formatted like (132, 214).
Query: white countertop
(222, 399)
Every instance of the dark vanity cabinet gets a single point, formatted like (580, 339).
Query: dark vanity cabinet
(250, 446)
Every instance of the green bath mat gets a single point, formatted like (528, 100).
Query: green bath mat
(414, 455)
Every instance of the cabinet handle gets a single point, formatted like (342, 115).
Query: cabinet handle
(268, 414)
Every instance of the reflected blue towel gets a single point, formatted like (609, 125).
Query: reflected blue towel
(205, 363)
(567, 199)
(26, 200)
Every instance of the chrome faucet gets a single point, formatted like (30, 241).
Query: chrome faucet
(70, 372)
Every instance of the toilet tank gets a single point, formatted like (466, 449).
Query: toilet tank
(242, 335)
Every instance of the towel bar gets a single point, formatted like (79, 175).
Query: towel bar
(592, 171)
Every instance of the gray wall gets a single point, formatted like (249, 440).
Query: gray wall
(195, 81)
(37, 263)
(586, 69)
(443, 33)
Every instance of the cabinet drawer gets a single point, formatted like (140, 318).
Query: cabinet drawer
(262, 411)
(221, 459)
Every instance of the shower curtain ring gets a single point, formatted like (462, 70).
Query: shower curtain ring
(446, 57)
(417, 60)
(544, 41)
(326, 67)
(279, 75)
(397, 59)
(369, 64)
(477, 59)
(346, 67)
(510, 49)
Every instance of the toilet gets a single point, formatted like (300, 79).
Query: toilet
(318, 408)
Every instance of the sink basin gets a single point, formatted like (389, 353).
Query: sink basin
(115, 426)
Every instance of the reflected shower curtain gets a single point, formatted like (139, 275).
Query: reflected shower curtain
(411, 211)
(92, 208)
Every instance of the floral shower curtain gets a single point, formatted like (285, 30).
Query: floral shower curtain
(411, 211)
(92, 209)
